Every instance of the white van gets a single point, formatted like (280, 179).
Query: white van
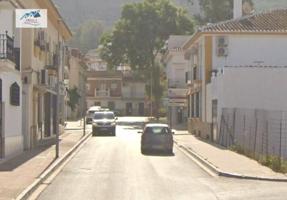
(90, 113)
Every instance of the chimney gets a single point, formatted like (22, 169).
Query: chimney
(237, 9)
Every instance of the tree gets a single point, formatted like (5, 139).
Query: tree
(140, 34)
(88, 36)
(73, 98)
(218, 10)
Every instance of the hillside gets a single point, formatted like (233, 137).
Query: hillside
(269, 4)
(75, 12)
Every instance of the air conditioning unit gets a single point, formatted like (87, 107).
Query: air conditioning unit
(44, 77)
(222, 51)
(222, 41)
(222, 46)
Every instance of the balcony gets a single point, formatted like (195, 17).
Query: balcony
(47, 82)
(102, 93)
(7, 53)
(176, 84)
(194, 86)
(177, 93)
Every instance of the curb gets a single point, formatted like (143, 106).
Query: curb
(31, 188)
(73, 129)
(219, 172)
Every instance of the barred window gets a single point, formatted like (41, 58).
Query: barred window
(15, 94)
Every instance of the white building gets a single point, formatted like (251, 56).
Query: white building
(94, 62)
(239, 63)
(11, 138)
(176, 71)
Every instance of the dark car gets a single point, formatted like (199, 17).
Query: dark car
(157, 137)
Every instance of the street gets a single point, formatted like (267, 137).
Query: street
(113, 168)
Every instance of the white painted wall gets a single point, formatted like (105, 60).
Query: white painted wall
(253, 88)
(176, 68)
(249, 49)
(133, 90)
(13, 115)
(7, 24)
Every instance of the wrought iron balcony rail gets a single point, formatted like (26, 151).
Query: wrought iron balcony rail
(7, 47)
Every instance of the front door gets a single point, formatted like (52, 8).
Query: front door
(141, 109)
(129, 109)
(179, 115)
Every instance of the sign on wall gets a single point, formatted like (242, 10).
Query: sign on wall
(31, 18)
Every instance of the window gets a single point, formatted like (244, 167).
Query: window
(197, 105)
(192, 106)
(157, 130)
(104, 116)
(113, 86)
(103, 86)
(88, 86)
(97, 104)
(111, 105)
(15, 94)
(188, 106)
(195, 73)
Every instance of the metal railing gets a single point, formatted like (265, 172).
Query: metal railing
(7, 47)
(102, 93)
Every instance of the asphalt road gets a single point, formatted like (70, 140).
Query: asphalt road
(112, 168)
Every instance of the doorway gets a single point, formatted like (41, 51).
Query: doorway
(179, 115)
(214, 127)
(129, 109)
(141, 109)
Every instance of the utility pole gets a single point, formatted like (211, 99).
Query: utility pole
(58, 92)
(151, 107)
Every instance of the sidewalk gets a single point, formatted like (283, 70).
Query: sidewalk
(74, 125)
(21, 171)
(225, 160)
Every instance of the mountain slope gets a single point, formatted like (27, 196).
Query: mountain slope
(75, 12)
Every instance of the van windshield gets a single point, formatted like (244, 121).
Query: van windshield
(104, 116)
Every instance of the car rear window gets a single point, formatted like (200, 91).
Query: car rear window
(157, 130)
(104, 116)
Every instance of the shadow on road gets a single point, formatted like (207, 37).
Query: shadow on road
(158, 154)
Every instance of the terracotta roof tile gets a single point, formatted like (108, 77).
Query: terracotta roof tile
(270, 21)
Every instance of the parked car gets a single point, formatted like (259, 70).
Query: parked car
(157, 137)
(90, 113)
(104, 122)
